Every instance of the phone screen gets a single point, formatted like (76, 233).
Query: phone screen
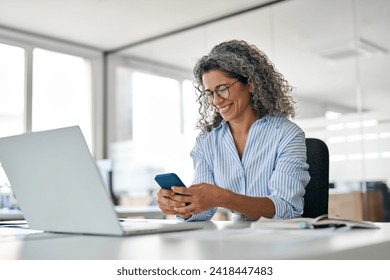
(167, 180)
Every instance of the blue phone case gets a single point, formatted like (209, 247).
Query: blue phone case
(167, 180)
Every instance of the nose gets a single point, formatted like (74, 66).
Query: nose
(217, 99)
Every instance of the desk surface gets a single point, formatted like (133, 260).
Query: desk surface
(217, 241)
(148, 212)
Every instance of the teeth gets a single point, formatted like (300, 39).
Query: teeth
(224, 109)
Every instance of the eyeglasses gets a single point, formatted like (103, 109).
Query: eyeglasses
(222, 91)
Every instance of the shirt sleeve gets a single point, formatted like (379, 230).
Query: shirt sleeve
(289, 179)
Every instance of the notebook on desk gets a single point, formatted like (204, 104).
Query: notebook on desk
(59, 188)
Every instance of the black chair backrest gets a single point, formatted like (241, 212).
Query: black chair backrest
(317, 191)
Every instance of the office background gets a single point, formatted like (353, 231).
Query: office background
(122, 70)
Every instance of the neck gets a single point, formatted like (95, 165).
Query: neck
(242, 126)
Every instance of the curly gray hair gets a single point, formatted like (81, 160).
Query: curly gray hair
(239, 60)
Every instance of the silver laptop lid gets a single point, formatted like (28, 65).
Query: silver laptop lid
(56, 182)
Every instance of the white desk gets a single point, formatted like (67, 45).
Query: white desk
(147, 212)
(217, 241)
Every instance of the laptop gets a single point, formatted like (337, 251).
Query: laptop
(59, 188)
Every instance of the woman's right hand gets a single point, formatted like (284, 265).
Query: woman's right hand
(166, 202)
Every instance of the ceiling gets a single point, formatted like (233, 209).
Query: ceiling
(110, 24)
(312, 42)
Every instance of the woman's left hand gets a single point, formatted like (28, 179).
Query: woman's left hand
(199, 197)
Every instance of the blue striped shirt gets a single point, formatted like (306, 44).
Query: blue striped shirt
(273, 164)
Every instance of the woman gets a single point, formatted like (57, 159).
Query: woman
(249, 157)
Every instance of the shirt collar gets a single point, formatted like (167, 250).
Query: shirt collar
(275, 119)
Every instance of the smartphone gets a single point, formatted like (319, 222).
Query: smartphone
(167, 180)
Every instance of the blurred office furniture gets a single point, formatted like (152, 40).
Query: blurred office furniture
(133, 209)
(359, 153)
(133, 171)
(357, 205)
(11, 214)
(317, 191)
(105, 170)
(382, 188)
(373, 204)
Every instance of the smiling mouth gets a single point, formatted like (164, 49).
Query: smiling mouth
(224, 109)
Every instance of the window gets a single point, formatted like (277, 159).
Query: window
(156, 108)
(12, 104)
(162, 117)
(156, 117)
(61, 92)
(44, 89)
(11, 90)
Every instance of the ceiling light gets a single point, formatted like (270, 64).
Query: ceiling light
(331, 115)
(361, 47)
(385, 154)
(384, 135)
(337, 157)
(336, 126)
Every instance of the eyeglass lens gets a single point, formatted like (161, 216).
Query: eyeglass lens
(221, 91)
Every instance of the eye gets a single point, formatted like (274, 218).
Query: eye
(221, 89)
(207, 93)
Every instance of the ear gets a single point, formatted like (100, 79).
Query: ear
(251, 88)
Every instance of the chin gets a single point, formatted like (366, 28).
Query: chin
(226, 118)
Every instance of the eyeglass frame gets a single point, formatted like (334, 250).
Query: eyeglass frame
(210, 93)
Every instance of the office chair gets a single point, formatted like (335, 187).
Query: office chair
(317, 191)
